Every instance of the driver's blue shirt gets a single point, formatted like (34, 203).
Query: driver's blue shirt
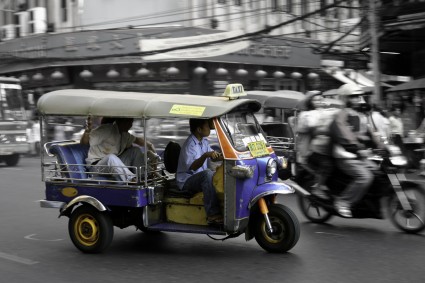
(191, 150)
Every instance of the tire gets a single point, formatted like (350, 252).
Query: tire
(313, 211)
(286, 229)
(91, 231)
(409, 221)
(11, 160)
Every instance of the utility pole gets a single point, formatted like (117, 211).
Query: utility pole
(373, 29)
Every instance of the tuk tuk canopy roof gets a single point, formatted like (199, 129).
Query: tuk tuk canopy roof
(288, 99)
(282, 99)
(83, 102)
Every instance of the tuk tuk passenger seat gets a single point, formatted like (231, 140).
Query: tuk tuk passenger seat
(171, 159)
(71, 157)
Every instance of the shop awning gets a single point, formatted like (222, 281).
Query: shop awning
(354, 77)
(415, 84)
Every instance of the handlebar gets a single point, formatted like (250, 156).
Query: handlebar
(380, 151)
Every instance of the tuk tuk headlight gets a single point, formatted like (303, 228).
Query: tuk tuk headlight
(398, 160)
(393, 150)
(271, 167)
(283, 162)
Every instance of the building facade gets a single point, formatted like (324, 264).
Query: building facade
(70, 44)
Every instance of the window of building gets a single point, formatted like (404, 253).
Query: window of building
(31, 25)
(64, 11)
(221, 1)
(4, 18)
(203, 9)
(304, 10)
(276, 6)
(17, 26)
(351, 8)
(289, 7)
(323, 5)
(238, 2)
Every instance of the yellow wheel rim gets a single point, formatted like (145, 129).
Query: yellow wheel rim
(278, 230)
(86, 229)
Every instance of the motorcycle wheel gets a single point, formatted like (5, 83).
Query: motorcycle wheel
(409, 221)
(313, 211)
(91, 231)
(286, 229)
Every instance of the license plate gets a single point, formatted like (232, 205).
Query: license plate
(258, 148)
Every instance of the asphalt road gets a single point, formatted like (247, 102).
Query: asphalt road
(35, 247)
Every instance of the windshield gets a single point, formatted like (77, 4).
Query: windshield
(11, 104)
(242, 129)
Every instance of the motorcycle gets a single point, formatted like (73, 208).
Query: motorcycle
(403, 199)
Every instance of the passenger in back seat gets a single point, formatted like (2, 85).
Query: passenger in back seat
(111, 147)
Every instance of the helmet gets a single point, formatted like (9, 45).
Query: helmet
(350, 89)
(313, 92)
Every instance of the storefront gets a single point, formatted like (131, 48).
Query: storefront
(111, 59)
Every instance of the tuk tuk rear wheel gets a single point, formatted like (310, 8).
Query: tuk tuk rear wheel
(91, 231)
(286, 229)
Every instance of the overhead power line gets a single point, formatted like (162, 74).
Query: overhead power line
(241, 37)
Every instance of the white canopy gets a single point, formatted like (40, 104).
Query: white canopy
(83, 102)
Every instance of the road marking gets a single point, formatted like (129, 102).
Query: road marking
(12, 168)
(31, 237)
(17, 259)
(332, 234)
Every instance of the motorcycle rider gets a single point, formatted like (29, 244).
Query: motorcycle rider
(348, 133)
(314, 149)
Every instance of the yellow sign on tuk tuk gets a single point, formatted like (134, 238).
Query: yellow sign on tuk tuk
(258, 148)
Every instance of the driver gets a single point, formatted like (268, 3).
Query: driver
(348, 151)
(192, 172)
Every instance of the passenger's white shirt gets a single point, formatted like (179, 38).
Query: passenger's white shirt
(396, 125)
(106, 139)
(381, 123)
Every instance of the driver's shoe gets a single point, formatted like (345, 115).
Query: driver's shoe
(343, 209)
(215, 220)
(320, 191)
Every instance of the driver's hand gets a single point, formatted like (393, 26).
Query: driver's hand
(215, 155)
(89, 124)
(364, 153)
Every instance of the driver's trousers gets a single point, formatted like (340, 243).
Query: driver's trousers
(362, 178)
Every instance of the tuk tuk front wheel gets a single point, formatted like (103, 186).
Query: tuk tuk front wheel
(91, 231)
(286, 229)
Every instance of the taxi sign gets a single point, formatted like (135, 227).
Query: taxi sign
(233, 91)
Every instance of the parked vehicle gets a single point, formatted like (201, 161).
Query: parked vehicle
(246, 184)
(280, 133)
(404, 200)
(13, 122)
